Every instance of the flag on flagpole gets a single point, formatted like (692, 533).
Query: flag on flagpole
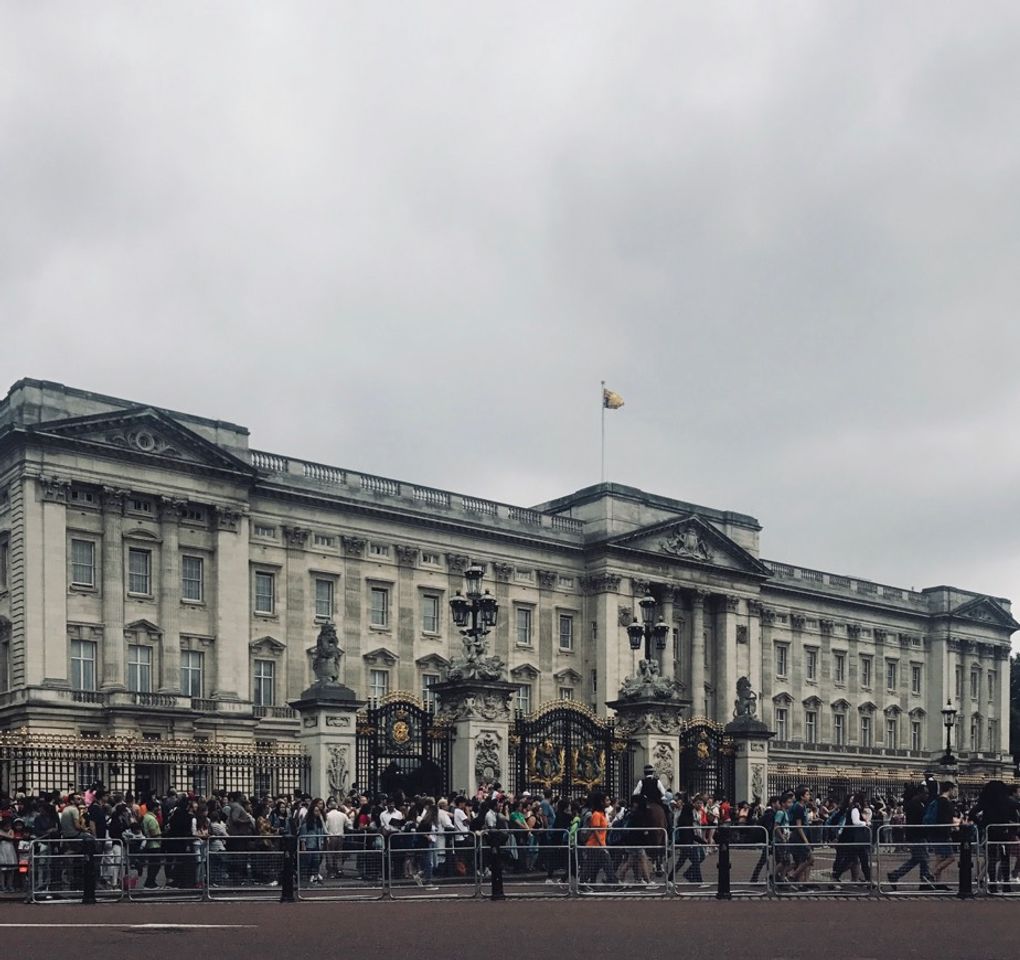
(610, 400)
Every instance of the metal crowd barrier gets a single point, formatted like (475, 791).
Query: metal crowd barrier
(620, 861)
(831, 861)
(634, 862)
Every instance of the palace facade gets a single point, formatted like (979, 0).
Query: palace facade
(160, 579)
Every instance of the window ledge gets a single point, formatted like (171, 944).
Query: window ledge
(192, 603)
(82, 588)
(564, 652)
(265, 616)
(524, 646)
(375, 626)
(431, 635)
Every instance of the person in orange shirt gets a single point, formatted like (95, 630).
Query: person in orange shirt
(593, 832)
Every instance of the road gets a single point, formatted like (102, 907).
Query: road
(539, 929)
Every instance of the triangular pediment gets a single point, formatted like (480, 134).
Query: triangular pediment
(143, 431)
(986, 610)
(691, 540)
(524, 671)
(381, 655)
(432, 661)
(143, 626)
(266, 645)
(569, 675)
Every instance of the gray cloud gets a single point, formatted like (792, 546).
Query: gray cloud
(413, 238)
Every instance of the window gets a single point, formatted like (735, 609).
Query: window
(140, 571)
(141, 506)
(890, 674)
(139, 668)
(323, 598)
(566, 632)
(379, 612)
(839, 668)
(781, 727)
(975, 734)
(959, 684)
(265, 592)
(524, 697)
(566, 693)
(782, 656)
(83, 665)
(865, 671)
(5, 558)
(524, 575)
(263, 531)
(811, 664)
(867, 736)
(83, 563)
(430, 613)
(992, 676)
(975, 684)
(429, 680)
(380, 550)
(566, 582)
(378, 683)
(993, 735)
(321, 540)
(430, 559)
(524, 626)
(193, 515)
(264, 685)
(839, 729)
(811, 726)
(892, 733)
(80, 496)
(191, 673)
(916, 742)
(191, 579)
(915, 678)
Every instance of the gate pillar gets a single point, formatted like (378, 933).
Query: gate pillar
(750, 738)
(328, 713)
(652, 728)
(480, 712)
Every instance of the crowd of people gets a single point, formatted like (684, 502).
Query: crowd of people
(150, 842)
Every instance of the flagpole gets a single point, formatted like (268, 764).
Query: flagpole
(602, 403)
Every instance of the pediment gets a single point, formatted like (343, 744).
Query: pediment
(892, 710)
(985, 610)
(267, 645)
(143, 431)
(381, 655)
(841, 704)
(867, 707)
(525, 670)
(433, 661)
(143, 626)
(812, 703)
(691, 540)
(568, 675)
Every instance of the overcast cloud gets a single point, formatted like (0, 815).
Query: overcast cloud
(412, 238)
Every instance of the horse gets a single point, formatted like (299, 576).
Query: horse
(652, 819)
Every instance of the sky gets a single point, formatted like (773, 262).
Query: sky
(412, 239)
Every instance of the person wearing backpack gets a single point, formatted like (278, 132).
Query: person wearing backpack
(915, 801)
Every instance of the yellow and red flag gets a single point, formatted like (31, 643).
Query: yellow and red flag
(610, 400)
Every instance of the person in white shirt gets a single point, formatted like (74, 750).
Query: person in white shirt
(337, 824)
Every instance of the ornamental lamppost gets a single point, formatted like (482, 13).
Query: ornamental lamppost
(649, 630)
(949, 721)
(475, 608)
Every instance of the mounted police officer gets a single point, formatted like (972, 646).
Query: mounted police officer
(650, 787)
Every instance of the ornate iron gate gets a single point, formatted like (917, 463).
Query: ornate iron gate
(707, 760)
(564, 747)
(403, 746)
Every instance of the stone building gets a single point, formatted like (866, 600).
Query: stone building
(159, 578)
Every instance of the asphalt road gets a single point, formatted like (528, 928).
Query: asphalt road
(592, 930)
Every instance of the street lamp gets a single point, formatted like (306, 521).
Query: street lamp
(649, 630)
(476, 608)
(949, 721)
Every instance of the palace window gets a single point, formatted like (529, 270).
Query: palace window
(811, 664)
(83, 563)
(378, 683)
(916, 738)
(811, 726)
(892, 733)
(264, 683)
(322, 540)
(265, 592)
(566, 632)
(140, 571)
(959, 684)
(323, 598)
(192, 587)
(139, 668)
(566, 693)
(429, 680)
(915, 679)
(975, 684)
(839, 729)
(781, 723)
(380, 550)
(782, 659)
(191, 673)
(867, 736)
(993, 735)
(430, 559)
(430, 613)
(975, 734)
(523, 616)
(524, 697)
(992, 678)
(379, 611)
(83, 665)
(839, 668)
(261, 530)
(890, 674)
(866, 672)
(5, 560)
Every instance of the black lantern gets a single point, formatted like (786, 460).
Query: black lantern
(460, 608)
(488, 606)
(650, 630)
(948, 721)
(636, 633)
(475, 613)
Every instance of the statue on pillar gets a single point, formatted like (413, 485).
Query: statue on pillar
(649, 684)
(326, 660)
(746, 704)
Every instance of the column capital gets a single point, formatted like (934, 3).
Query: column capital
(53, 489)
(768, 615)
(228, 518)
(458, 562)
(698, 597)
(640, 587)
(601, 583)
(503, 571)
(546, 579)
(407, 556)
(171, 509)
(113, 499)
(295, 537)
(354, 547)
(731, 602)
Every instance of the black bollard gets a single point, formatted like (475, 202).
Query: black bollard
(88, 885)
(966, 866)
(723, 890)
(287, 876)
(496, 865)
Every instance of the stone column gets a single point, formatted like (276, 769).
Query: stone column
(406, 628)
(548, 639)
(46, 601)
(233, 604)
(170, 595)
(480, 712)
(726, 657)
(113, 677)
(354, 590)
(299, 612)
(698, 652)
(652, 729)
(667, 666)
(751, 739)
(608, 650)
(328, 714)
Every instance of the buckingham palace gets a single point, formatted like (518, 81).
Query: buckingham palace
(160, 579)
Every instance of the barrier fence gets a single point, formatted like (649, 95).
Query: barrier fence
(928, 861)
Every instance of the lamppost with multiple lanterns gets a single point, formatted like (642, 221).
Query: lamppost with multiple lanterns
(948, 721)
(475, 608)
(649, 630)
